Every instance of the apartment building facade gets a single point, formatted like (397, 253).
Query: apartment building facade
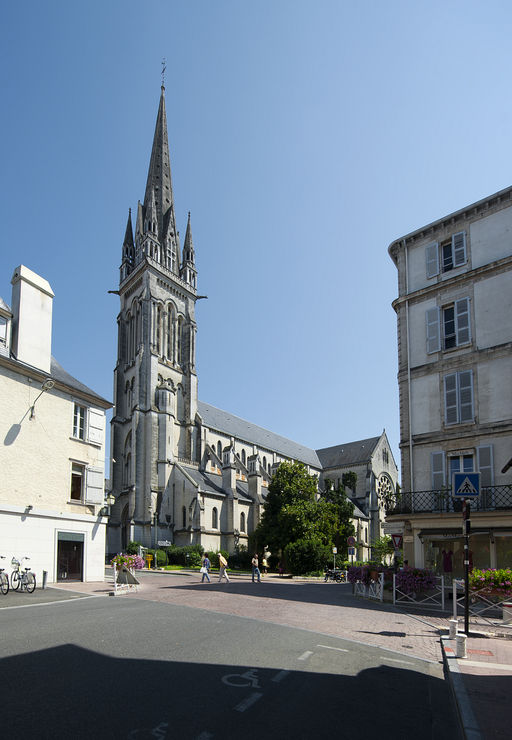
(454, 313)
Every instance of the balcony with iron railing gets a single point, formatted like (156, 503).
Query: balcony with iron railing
(491, 498)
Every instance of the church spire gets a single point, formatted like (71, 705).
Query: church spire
(159, 183)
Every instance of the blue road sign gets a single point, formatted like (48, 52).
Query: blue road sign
(351, 551)
(466, 485)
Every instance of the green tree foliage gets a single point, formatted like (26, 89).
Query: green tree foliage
(344, 511)
(382, 549)
(307, 556)
(293, 513)
(349, 480)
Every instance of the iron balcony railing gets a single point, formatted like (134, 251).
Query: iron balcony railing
(492, 498)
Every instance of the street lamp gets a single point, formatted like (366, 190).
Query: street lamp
(110, 500)
(46, 386)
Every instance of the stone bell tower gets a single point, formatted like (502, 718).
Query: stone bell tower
(155, 381)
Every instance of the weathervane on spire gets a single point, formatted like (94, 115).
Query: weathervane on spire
(163, 72)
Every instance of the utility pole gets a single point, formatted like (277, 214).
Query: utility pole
(466, 513)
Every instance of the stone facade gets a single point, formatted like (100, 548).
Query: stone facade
(455, 365)
(52, 456)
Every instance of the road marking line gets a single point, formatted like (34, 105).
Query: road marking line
(328, 647)
(394, 660)
(305, 655)
(279, 676)
(205, 736)
(251, 699)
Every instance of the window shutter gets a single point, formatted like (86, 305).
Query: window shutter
(433, 330)
(94, 486)
(432, 257)
(465, 380)
(485, 465)
(459, 248)
(462, 324)
(450, 398)
(95, 426)
(437, 464)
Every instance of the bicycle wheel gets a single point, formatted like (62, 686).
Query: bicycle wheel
(15, 580)
(30, 583)
(4, 583)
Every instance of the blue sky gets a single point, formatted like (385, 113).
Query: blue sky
(305, 137)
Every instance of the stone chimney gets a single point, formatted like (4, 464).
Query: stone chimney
(32, 300)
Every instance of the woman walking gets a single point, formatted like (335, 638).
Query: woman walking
(205, 568)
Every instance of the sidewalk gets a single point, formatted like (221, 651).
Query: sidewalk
(482, 685)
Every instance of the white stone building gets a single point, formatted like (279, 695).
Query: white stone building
(52, 446)
(455, 368)
(182, 471)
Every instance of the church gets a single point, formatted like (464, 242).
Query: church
(183, 471)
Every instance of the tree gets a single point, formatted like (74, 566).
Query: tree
(344, 512)
(289, 508)
(382, 549)
(293, 512)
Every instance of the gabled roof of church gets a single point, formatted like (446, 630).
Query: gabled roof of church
(352, 453)
(233, 426)
(212, 483)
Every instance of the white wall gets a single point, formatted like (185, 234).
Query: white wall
(491, 238)
(493, 301)
(35, 535)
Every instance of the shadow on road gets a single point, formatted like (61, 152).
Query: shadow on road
(308, 593)
(70, 692)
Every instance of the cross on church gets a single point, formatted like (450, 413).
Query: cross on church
(164, 67)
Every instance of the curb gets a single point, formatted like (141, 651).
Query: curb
(467, 719)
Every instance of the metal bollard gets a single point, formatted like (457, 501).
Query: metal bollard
(453, 628)
(460, 642)
(45, 578)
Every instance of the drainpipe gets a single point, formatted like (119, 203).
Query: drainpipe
(409, 405)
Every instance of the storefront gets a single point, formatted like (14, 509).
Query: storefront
(443, 550)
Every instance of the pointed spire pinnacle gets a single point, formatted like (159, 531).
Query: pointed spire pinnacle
(128, 236)
(188, 246)
(159, 183)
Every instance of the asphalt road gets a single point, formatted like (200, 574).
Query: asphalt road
(127, 668)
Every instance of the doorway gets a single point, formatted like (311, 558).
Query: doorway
(70, 556)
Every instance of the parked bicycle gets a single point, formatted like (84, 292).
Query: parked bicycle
(22, 578)
(4, 580)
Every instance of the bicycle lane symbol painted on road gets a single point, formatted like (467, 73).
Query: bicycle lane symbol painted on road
(243, 680)
(249, 679)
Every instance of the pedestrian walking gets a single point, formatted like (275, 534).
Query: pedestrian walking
(264, 567)
(255, 569)
(205, 568)
(222, 568)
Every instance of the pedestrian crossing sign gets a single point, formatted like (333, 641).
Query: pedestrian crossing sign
(466, 485)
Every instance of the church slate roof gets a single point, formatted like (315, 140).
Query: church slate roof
(212, 483)
(231, 425)
(352, 453)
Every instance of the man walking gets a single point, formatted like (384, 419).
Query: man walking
(222, 568)
(255, 569)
